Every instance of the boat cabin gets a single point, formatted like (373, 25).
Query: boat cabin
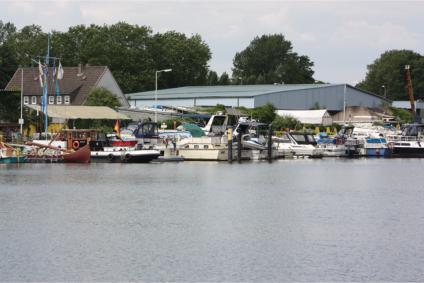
(301, 138)
(78, 138)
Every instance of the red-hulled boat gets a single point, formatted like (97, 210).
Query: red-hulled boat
(82, 155)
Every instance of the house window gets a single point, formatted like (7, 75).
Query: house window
(51, 99)
(26, 100)
(59, 99)
(67, 99)
(33, 100)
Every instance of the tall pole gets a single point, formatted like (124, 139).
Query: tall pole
(156, 96)
(46, 87)
(21, 120)
(156, 91)
(344, 104)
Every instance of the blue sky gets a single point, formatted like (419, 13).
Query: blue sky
(340, 37)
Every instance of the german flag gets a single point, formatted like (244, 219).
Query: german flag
(117, 127)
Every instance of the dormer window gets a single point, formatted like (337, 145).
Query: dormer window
(26, 99)
(33, 100)
(51, 99)
(67, 99)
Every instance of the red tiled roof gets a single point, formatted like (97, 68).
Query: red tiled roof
(73, 83)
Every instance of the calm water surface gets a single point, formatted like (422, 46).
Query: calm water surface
(293, 220)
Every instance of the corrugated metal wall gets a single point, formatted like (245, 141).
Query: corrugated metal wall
(330, 98)
(234, 102)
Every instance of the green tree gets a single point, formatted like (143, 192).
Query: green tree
(101, 96)
(10, 103)
(121, 47)
(8, 62)
(402, 115)
(29, 43)
(224, 79)
(187, 56)
(389, 70)
(270, 59)
(212, 78)
(283, 122)
(133, 54)
(265, 114)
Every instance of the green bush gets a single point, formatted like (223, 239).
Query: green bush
(283, 122)
(402, 115)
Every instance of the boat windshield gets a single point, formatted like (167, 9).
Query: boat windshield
(310, 138)
(299, 138)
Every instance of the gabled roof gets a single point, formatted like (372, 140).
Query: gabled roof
(73, 83)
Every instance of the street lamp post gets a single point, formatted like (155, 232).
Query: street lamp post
(384, 88)
(156, 91)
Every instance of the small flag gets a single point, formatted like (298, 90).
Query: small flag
(60, 72)
(117, 127)
(41, 73)
(57, 88)
(54, 72)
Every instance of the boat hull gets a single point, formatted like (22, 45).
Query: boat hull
(13, 159)
(408, 152)
(203, 154)
(131, 156)
(82, 155)
(378, 152)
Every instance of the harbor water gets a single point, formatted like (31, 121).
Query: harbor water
(292, 220)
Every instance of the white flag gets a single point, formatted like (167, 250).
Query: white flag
(41, 73)
(60, 72)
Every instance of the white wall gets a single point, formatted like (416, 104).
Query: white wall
(108, 81)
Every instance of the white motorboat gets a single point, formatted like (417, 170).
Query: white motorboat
(410, 143)
(301, 144)
(203, 148)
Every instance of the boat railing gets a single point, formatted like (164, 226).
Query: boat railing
(354, 142)
(396, 138)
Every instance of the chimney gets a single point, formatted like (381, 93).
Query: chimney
(79, 70)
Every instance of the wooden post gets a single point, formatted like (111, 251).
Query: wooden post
(230, 145)
(239, 147)
(270, 143)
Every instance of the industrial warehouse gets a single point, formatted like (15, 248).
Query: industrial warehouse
(332, 97)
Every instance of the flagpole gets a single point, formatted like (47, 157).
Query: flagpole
(46, 87)
(21, 121)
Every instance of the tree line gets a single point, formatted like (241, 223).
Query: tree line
(134, 53)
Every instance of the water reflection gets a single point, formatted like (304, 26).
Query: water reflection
(296, 220)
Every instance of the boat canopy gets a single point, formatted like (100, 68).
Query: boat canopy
(194, 130)
(81, 112)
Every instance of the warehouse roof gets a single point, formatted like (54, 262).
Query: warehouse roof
(223, 91)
